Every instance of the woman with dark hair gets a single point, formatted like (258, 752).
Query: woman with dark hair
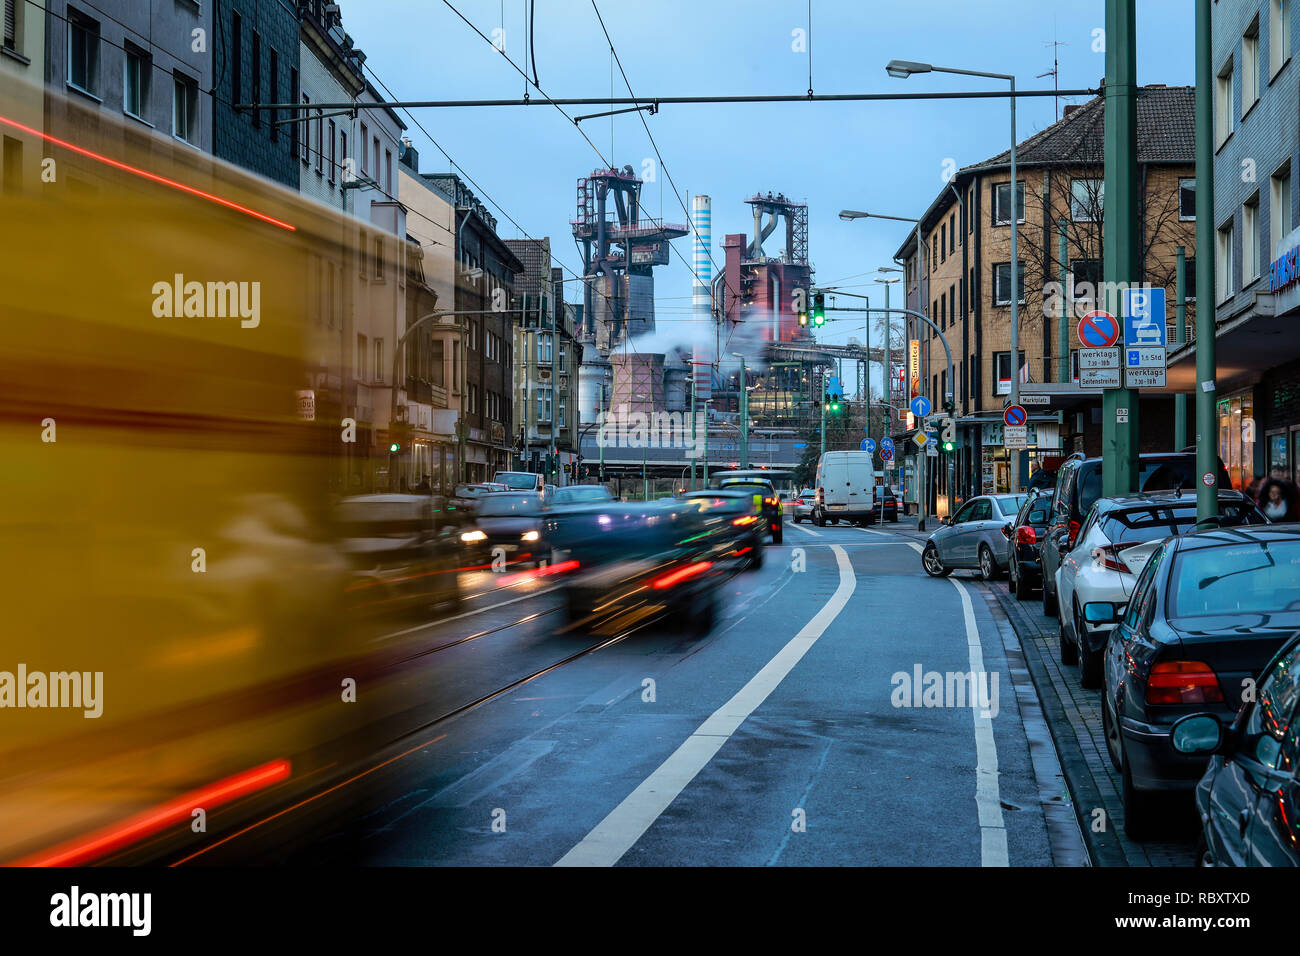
(1279, 500)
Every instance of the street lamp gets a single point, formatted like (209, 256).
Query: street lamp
(902, 69)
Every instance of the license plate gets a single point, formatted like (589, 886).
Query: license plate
(838, 507)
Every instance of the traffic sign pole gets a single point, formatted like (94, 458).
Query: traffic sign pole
(1122, 248)
(1207, 433)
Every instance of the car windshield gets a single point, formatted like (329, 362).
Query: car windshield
(1135, 525)
(1011, 504)
(522, 481)
(568, 496)
(501, 505)
(1260, 577)
(470, 491)
(753, 487)
(379, 517)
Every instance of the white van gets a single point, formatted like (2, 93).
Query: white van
(846, 482)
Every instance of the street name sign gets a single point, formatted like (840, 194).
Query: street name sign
(1035, 399)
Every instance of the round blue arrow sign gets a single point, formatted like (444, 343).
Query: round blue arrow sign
(921, 406)
(887, 442)
(869, 444)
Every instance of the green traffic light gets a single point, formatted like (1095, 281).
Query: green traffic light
(395, 447)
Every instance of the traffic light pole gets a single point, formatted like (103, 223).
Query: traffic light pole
(744, 416)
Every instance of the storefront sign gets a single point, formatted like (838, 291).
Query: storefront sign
(1284, 271)
(914, 375)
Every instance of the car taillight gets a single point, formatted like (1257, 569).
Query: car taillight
(1183, 682)
(1074, 532)
(681, 574)
(769, 501)
(1110, 559)
(744, 519)
(1026, 535)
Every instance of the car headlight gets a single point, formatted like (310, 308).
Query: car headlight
(531, 535)
(469, 537)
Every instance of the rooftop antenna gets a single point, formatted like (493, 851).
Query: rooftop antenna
(1055, 71)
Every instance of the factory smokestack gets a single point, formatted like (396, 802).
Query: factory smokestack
(701, 293)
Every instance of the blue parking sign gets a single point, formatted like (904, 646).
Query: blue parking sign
(1144, 316)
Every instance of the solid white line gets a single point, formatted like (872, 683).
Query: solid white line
(457, 617)
(810, 531)
(627, 822)
(988, 795)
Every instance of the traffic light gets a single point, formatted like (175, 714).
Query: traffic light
(832, 403)
(819, 309)
(949, 436)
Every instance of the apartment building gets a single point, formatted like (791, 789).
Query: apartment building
(1257, 283)
(965, 283)
(22, 77)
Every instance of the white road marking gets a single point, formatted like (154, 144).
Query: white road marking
(457, 617)
(627, 822)
(810, 531)
(988, 795)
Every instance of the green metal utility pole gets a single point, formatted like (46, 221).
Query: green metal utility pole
(1122, 255)
(823, 428)
(1180, 311)
(1063, 330)
(694, 446)
(1207, 435)
(744, 415)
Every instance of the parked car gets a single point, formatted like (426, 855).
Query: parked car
(1116, 540)
(464, 498)
(1208, 611)
(1078, 486)
(886, 503)
(846, 482)
(401, 553)
(511, 522)
(521, 481)
(764, 496)
(972, 538)
(1025, 542)
(1249, 797)
(803, 505)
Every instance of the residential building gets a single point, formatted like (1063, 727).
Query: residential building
(435, 367)
(486, 272)
(546, 359)
(1257, 262)
(144, 66)
(255, 45)
(965, 285)
(22, 76)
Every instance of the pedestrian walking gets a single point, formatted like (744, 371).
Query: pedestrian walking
(1279, 500)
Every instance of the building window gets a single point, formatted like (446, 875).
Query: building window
(375, 142)
(364, 133)
(952, 233)
(561, 364)
(1279, 206)
(1223, 260)
(1074, 365)
(236, 58)
(306, 128)
(952, 302)
(273, 90)
(379, 257)
(329, 131)
(1279, 35)
(361, 358)
(11, 24)
(135, 82)
(12, 158)
(1087, 279)
(943, 242)
(1187, 199)
(388, 170)
(1250, 240)
(293, 98)
(379, 360)
(1002, 282)
(83, 53)
(320, 141)
(544, 349)
(1250, 66)
(257, 77)
(943, 310)
(1002, 371)
(1002, 203)
(1224, 119)
(185, 105)
(1086, 199)
(437, 373)
(543, 404)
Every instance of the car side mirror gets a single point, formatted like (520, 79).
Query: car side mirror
(947, 519)
(1101, 612)
(1197, 735)
(1063, 541)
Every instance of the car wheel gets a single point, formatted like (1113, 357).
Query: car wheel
(1089, 661)
(988, 564)
(1011, 577)
(930, 561)
(1049, 600)
(756, 555)
(778, 534)
(819, 519)
(1203, 855)
(1023, 590)
(1139, 811)
(1069, 652)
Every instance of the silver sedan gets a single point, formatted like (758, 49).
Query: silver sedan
(973, 538)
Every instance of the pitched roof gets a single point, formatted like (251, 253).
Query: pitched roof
(1166, 133)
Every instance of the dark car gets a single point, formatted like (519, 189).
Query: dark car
(401, 554)
(887, 503)
(1249, 798)
(765, 497)
(578, 496)
(1078, 486)
(1024, 544)
(463, 502)
(732, 523)
(1208, 611)
(507, 523)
